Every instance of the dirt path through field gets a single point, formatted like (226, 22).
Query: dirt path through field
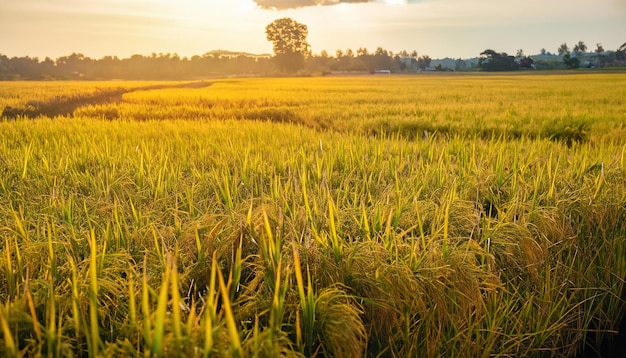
(66, 105)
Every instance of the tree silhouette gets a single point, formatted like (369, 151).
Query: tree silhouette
(571, 62)
(599, 48)
(580, 48)
(423, 62)
(563, 49)
(491, 60)
(620, 54)
(289, 43)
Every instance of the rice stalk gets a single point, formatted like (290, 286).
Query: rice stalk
(10, 346)
(233, 333)
(94, 328)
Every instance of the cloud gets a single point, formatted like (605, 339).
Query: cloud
(292, 4)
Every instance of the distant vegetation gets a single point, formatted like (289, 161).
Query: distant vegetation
(156, 66)
(223, 63)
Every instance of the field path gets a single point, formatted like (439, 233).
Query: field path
(66, 105)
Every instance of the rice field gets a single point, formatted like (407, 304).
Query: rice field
(422, 216)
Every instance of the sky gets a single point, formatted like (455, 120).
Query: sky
(438, 28)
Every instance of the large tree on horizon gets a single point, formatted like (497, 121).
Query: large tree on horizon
(289, 43)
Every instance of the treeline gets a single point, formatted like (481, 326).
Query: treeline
(576, 57)
(215, 63)
(137, 67)
(364, 61)
(223, 63)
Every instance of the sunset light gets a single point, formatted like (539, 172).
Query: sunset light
(312, 178)
(452, 28)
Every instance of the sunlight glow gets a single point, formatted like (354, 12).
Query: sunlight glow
(394, 2)
(457, 28)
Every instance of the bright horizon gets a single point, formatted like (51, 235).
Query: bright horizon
(438, 28)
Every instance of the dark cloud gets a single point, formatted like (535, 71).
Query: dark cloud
(292, 4)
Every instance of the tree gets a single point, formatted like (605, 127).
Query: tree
(599, 48)
(383, 59)
(380, 52)
(571, 62)
(423, 62)
(493, 61)
(289, 43)
(620, 54)
(72, 63)
(459, 64)
(520, 53)
(563, 49)
(543, 51)
(580, 48)
(526, 63)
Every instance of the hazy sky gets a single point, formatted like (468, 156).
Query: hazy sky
(439, 28)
